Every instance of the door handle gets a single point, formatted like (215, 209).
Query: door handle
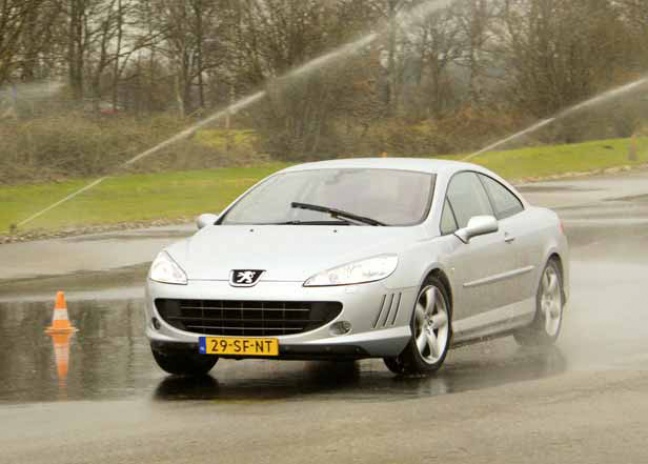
(508, 238)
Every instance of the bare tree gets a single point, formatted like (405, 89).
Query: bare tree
(635, 20)
(439, 46)
(25, 30)
(560, 52)
(476, 22)
(191, 36)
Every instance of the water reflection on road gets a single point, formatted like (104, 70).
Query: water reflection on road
(364, 381)
(109, 358)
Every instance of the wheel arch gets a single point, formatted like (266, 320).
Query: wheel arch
(555, 256)
(438, 272)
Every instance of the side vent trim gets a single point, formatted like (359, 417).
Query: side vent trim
(397, 309)
(382, 305)
(388, 310)
(389, 307)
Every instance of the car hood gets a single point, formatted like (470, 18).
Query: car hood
(285, 253)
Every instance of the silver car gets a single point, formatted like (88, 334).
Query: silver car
(390, 258)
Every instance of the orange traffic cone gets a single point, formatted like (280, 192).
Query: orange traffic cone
(60, 322)
(61, 344)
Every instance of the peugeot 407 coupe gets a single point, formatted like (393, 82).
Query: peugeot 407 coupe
(397, 259)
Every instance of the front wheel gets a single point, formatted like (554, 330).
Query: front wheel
(431, 332)
(545, 328)
(185, 363)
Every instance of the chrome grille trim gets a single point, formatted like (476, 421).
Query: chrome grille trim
(247, 318)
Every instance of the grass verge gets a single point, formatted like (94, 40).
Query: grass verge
(129, 198)
(176, 195)
(556, 160)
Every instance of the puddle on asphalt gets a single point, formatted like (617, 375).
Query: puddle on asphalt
(366, 380)
(109, 358)
(120, 283)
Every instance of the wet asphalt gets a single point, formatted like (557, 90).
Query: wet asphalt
(112, 382)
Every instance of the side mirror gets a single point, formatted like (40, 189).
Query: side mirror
(477, 225)
(206, 219)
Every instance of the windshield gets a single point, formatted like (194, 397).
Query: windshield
(391, 197)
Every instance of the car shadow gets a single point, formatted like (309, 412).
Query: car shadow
(314, 377)
(364, 380)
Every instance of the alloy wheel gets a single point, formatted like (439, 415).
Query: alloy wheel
(431, 328)
(551, 301)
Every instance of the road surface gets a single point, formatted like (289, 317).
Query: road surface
(585, 401)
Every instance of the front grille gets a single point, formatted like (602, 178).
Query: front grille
(247, 318)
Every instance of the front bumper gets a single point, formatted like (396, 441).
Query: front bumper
(379, 317)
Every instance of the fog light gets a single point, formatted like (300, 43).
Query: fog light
(156, 323)
(340, 328)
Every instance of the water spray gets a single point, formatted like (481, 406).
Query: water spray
(409, 19)
(499, 143)
(610, 94)
(232, 109)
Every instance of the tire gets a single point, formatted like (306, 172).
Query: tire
(396, 365)
(550, 302)
(431, 332)
(184, 363)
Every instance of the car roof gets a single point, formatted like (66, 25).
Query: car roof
(432, 166)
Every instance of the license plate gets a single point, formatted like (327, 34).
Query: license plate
(239, 346)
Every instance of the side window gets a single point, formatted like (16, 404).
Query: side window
(504, 201)
(448, 222)
(468, 198)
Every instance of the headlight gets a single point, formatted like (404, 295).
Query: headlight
(164, 269)
(368, 270)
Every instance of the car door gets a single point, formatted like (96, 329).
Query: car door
(478, 269)
(520, 235)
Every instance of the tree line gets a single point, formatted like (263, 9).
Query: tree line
(482, 65)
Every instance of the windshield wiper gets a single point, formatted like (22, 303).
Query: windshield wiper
(337, 213)
(341, 222)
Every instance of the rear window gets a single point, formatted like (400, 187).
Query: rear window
(505, 203)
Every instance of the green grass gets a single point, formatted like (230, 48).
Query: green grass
(219, 138)
(544, 161)
(128, 198)
(132, 198)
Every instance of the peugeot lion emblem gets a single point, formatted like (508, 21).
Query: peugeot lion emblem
(245, 277)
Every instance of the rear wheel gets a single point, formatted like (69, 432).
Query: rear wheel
(431, 332)
(186, 363)
(545, 328)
